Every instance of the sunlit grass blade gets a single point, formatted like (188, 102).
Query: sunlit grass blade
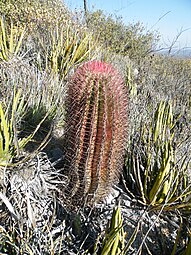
(132, 238)
(5, 132)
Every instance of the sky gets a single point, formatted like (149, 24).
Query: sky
(169, 17)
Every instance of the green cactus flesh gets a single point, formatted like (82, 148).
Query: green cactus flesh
(96, 130)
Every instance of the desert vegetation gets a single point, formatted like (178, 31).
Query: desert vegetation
(95, 137)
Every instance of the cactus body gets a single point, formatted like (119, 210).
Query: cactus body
(96, 130)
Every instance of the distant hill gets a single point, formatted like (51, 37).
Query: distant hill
(182, 53)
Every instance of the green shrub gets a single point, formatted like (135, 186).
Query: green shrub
(38, 13)
(132, 40)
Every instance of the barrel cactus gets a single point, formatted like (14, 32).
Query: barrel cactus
(96, 131)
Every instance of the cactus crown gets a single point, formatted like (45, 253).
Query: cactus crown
(96, 130)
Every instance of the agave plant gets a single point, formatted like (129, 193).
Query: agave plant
(96, 129)
(160, 178)
(11, 38)
(67, 49)
(10, 143)
(114, 240)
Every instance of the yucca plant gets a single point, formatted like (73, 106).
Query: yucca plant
(67, 49)
(10, 143)
(114, 240)
(6, 138)
(11, 38)
(160, 178)
(95, 130)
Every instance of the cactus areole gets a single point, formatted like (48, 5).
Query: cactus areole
(96, 130)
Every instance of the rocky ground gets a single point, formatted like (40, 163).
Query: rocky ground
(32, 207)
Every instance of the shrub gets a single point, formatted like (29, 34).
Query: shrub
(34, 13)
(132, 40)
